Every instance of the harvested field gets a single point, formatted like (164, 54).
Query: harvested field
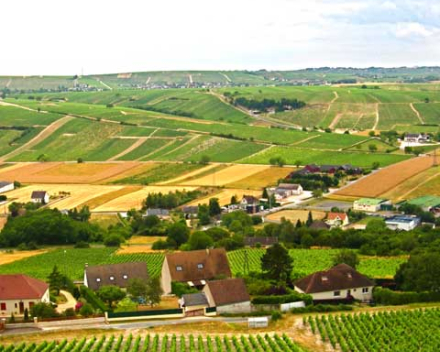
(57, 172)
(224, 197)
(229, 175)
(386, 179)
(295, 215)
(134, 200)
(189, 175)
(139, 169)
(79, 194)
(107, 197)
(6, 258)
(265, 178)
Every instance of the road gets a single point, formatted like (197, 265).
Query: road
(70, 302)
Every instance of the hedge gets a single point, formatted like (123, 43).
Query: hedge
(387, 297)
(322, 308)
(292, 297)
(93, 299)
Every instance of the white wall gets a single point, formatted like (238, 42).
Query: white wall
(7, 188)
(243, 307)
(355, 292)
(166, 278)
(11, 308)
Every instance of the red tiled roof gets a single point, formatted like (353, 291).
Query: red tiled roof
(228, 291)
(21, 287)
(335, 216)
(340, 277)
(214, 263)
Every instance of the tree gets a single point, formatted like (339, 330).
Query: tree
(277, 160)
(43, 310)
(113, 240)
(203, 214)
(317, 193)
(375, 165)
(420, 273)
(309, 219)
(427, 100)
(204, 160)
(56, 280)
(298, 163)
(346, 256)
(154, 291)
(372, 147)
(86, 310)
(137, 288)
(277, 263)
(234, 199)
(43, 158)
(200, 240)
(110, 294)
(214, 207)
(178, 234)
(376, 225)
(371, 133)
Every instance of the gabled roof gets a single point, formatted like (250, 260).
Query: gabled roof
(228, 291)
(198, 265)
(195, 299)
(369, 201)
(425, 201)
(5, 183)
(250, 199)
(19, 286)
(264, 241)
(292, 186)
(38, 194)
(336, 216)
(340, 277)
(319, 225)
(157, 212)
(102, 275)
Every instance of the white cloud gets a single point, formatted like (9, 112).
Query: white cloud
(388, 5)
(411, 29)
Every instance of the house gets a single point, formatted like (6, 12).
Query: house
(194, 267)
(229, 296)
(114, 274)
(341, 282)
(312, 168)
(286, 190)
(19, 292)
(263, 241)
(161, 213)
(417, 138)
(250, 204)
(319, 225)
(337, 219)
(427, 203)
(369, 204)
(40, 197)
(329, 169)
(6, 186)
(402, 222)
(194, 302)
(190, 211)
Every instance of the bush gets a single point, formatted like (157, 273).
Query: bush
(179, 289)
(276, 315)
(322, 308)
(93, 299)
(69, 312)
(293, 297)
(113, 240)
(86, 310)
(82, 244)
(387, 297)
(43, 310)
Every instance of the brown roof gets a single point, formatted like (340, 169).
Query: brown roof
(319, 225)
(264, 241)
(212, 262)
(228, 291)
(20, 286)
(38, 194)
(340, 277)
(250, 199)
(102, 275)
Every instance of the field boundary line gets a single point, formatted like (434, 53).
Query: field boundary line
(184, 144)
(413, 108)
(142, 158)
(227, 78)
(4, 103)
(134, 146)
(376, 123)
(419, 185)
(39, 137)
(104, 84)
(188, 175)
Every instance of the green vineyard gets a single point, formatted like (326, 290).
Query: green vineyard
(166, 343)
(408, 331)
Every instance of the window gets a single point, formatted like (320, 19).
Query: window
(200, 266)
(125, 277)
(324, 278)
(365, 290)
(2, 306)
(349, 275)
(179, 268)
(112, 278)
(337, 293)
(98, 279)
(16, 305)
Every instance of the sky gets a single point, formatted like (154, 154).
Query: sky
(53, 37)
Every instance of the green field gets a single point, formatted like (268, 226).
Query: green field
(164, 343)
(13, 116)
(408, 330)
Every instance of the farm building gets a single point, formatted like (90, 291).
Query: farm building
(263, 241)
(403, 223)
(19, 292)
(370, 204)
(417, 138)
(114, 274)
(229, 296)
(427, 203)
(341, 282)
(40, 197)
(337, 219)
(190, 211)
(286, 190)
(250, 204)
(6, 186)
(327, 169)
(161, 213)
(194, 267)
(194, 303)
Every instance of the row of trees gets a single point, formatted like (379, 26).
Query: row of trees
(267, 104)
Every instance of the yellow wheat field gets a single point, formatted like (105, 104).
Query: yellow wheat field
(224, 197)
(223, 177)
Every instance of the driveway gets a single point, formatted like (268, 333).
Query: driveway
(70, 303)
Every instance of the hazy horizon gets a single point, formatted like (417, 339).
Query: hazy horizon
(45, 38)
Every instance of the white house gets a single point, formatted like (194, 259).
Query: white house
(371, 205)
(228, 296)
(402, 223)
(6, 186)
(41, 197)
(286, 190)
(337, 219)
(417, 138)
(19, 292)
(341, 282)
